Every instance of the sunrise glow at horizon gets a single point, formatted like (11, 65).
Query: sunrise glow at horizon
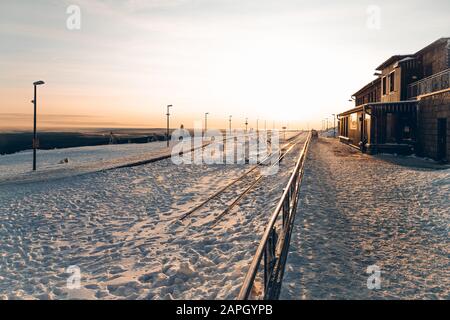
(292, 62)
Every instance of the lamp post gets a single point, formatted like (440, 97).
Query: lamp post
(229, 120)
(334, 125)
(246, 124)
(352, 98)
(257, 126)
(206, 122)
(35, 140)
(167, 133)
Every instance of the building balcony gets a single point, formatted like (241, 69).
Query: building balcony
(436, 82)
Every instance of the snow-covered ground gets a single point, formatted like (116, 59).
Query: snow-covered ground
(17, 167)
(356, 211)
(122, 229)
(330, 133)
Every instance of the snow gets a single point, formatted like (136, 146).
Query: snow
(122, 229)
(330, 133)
(358, 210)
(51, 165)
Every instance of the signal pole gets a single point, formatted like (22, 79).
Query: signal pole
(206, 122)
(35, 140)
(334, 125)
(167, 133)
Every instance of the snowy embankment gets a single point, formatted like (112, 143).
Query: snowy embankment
(330, 133)
(67, 162)
(121, 228)
(52, 164)
(356, 211)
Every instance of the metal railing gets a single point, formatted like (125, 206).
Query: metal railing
(433, 83)
(274, 244)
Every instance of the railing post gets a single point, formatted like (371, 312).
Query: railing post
(274, 243)
(294, 188)
(266, 271)
(283, 210)
(269, 256)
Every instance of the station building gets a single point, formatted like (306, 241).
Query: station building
(406, 109)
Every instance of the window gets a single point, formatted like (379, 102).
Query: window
(384, 86)
(428, 70)
(392, 81)
(353, 121)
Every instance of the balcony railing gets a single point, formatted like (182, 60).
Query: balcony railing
(436, 82)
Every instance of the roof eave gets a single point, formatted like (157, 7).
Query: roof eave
(391, 60)
(373, 82)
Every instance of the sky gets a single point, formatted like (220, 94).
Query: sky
(285, 62)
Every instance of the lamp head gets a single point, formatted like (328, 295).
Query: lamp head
(38, 83)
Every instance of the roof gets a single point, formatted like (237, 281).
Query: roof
(393, 59)
(371, 83)
(398, 58)
(350, 111)
(379, 105)
(433, 44)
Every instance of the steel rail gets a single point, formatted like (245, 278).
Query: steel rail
(274, 245)
(236, 201)
(220, 191)
(137, 163)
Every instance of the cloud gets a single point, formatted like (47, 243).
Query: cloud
(45, 121)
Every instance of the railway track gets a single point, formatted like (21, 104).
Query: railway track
(137, 163)
(273, 248)
(239, 187)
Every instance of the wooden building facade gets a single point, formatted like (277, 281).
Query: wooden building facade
(380, 127)
(406, 109)
(371, 92)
